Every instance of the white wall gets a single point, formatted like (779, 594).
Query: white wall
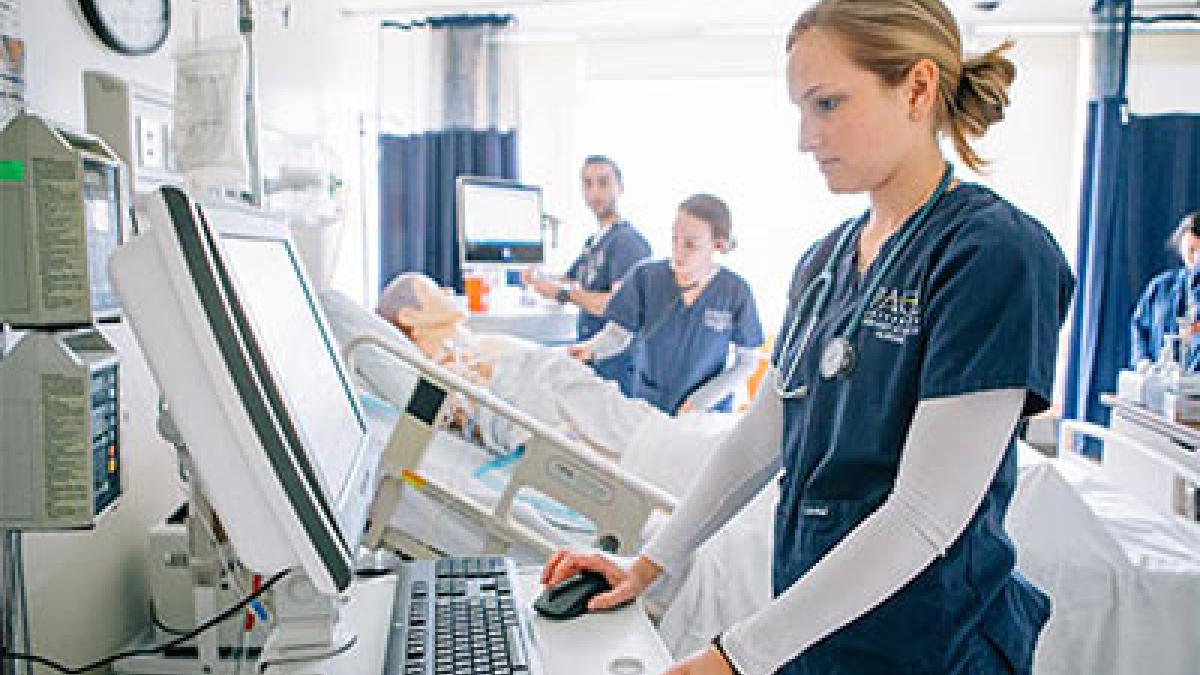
(1164, 73)
(550, 74)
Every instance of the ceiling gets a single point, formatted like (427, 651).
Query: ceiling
(766, 17)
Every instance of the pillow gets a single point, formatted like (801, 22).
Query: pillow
(378, 371)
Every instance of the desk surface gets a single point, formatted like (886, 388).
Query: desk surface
(620, 642)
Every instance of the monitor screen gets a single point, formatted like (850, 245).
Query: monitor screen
(499, 221)
(299, 350)
(102, 217)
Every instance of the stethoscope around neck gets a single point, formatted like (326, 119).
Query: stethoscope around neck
(838, 357)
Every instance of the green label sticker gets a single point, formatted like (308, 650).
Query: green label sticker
(12, 171)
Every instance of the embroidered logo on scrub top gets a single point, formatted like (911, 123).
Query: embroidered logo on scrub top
(718, 319)
(894, 314)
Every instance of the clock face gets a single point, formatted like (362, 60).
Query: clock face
(129, 26)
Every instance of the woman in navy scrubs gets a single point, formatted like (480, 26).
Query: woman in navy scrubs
(1170, 296)
(916, 337)
(686, 313)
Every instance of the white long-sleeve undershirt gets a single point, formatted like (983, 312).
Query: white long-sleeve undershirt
(736, 471)
(610, 341)
(950, 457)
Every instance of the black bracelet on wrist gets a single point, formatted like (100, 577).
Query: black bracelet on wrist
(716, 642)
(563, 295)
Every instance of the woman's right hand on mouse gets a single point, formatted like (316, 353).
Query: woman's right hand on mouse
(626, 584)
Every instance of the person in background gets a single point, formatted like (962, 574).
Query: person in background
(1169, 303)
(687, 313)
(607, 256)
(917, 335)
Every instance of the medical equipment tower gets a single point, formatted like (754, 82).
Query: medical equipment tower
(63, 208)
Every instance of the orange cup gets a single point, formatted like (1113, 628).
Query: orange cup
(477, 290)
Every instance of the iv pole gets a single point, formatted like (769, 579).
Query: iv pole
(14, 613)
(14, 628)
(246, 29)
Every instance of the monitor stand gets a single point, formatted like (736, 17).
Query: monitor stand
(307, 624)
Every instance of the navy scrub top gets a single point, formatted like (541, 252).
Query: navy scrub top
(975, 303)
(605, 260)
(683, 347)
(1157, 312)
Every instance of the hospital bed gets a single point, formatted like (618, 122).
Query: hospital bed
(445, 493)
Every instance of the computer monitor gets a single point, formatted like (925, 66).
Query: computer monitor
(236, 338)
(499, 221)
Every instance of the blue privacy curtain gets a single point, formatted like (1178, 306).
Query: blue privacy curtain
(1141, 175)
(447, 108)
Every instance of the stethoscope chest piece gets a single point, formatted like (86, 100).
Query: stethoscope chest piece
(837, 359)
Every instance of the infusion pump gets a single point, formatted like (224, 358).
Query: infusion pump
(60, 430)
(64, 207)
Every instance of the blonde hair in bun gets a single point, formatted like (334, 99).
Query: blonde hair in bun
(888, 37)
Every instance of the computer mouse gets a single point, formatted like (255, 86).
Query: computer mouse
(569, 598)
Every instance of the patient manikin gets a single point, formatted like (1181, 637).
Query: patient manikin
(546, 383)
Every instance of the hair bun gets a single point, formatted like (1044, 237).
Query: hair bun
(981, 96)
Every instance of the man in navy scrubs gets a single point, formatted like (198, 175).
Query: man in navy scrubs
(596, 274)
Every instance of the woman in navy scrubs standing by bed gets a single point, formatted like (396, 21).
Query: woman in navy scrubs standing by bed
(686, 314)
(917, 335)
(1168, 305)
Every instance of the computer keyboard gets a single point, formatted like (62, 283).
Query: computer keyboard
(458, 616)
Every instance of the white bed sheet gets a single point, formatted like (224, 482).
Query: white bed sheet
(1125, 581)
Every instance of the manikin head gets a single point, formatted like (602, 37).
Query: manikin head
(427, 315)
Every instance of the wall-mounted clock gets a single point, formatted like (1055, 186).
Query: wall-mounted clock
(129, 26)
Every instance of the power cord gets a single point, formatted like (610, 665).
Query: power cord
(147, 651)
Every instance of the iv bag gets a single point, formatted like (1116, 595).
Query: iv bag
(210, 115)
